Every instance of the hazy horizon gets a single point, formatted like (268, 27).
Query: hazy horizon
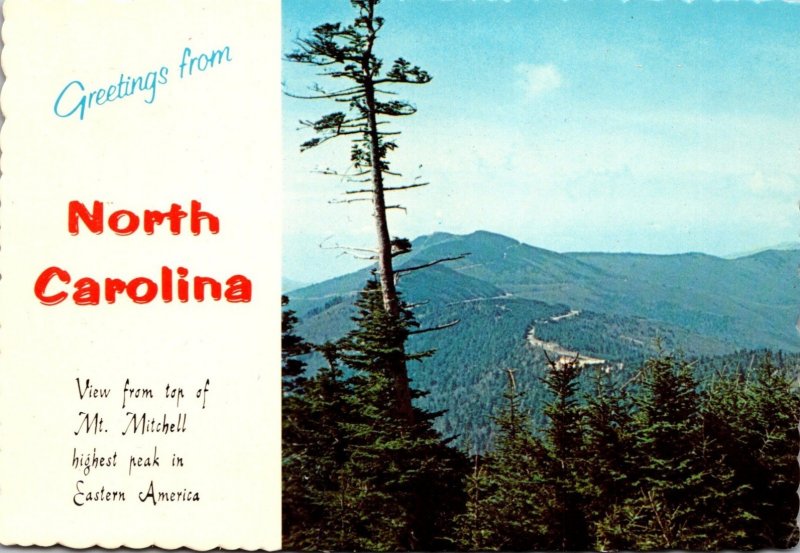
(361, 264)
(642, 127)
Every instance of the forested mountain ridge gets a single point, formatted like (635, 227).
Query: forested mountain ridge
(750, 301)
(630, 307)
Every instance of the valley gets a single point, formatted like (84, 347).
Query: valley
(514, 302)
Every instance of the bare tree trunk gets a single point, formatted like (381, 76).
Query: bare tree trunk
(388, 289)
(385, 268)
(391, 302)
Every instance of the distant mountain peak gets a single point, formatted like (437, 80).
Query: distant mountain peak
(492, 235)
(433, 238)
(783, 246)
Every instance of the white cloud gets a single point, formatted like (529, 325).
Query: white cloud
(772, 183)
(539, 79)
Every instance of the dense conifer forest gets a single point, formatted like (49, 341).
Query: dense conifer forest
(695, 455)
(523, 399)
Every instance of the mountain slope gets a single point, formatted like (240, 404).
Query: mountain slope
(623, 308)
(751, 301)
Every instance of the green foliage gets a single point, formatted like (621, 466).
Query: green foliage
(666, 508)
(624, 339)
(358, 474)
(695, 453)
(682, 455)
(409, 475)
(317, 506)
(568, 527)
(695, 474)
(494, 294)
(345, 53)
(754, 418)
(605, 458)
(292, 349)
(467, 382)
(667, 464)
(507, 494)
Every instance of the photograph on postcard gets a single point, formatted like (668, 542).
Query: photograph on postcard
(540, 275)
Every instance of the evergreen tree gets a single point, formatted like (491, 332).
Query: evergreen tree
(295, 411)
(605, 458)
(408, 481)
(724, 409)
(318, 491)
(568, 527)
(293, 347)
(506, 491)
(677, 483)
(345, 53)
(775, 408)
(754, 417)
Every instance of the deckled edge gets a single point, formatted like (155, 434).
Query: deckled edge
(3, 6)
(144, 546)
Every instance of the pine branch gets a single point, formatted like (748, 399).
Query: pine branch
(350, 201)
(388, 188)
(435, 328)
(321, 95)
(549, 361)
(405, 270)
(349, 249)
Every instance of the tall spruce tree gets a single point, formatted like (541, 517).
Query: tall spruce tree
(726, 420)
(294, 412)
(318, 492)
(607, 441)
(754, 417)
(409, 480)
(315, 413)
(293, 348)
(776, 405)
(675, 491)
(776, 408)
(507, 491)
(345, 54)
(568, 527)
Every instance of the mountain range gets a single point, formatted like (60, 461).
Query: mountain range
(514, 300)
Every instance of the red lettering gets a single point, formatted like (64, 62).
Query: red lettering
(151, 219)
(87, 292)
(93, 221)
(124, 222)
(166, 284)
(197, 216)
(175, 215)
(130, 228)
(183, 286)
(114, 286)
(151, 289)
(240, 289)
(199, 288)
(140, 290)
(44, 279)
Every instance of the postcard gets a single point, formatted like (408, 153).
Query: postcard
(391, 275)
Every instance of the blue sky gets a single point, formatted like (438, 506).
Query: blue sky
(656, 127)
